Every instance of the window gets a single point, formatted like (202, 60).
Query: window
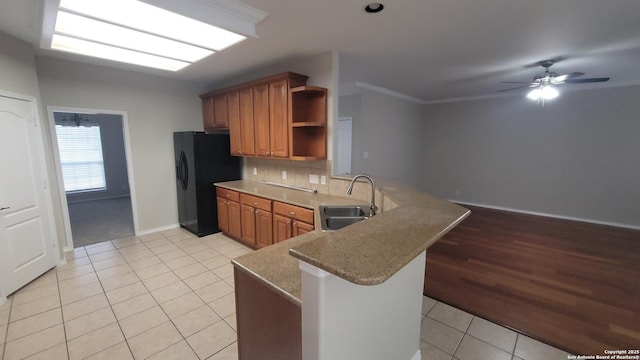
(81, 158)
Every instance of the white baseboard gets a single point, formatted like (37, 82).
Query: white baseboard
(144, 232)
(162, 228)
(556, 216)
(417, 356)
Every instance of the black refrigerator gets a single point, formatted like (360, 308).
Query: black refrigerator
(201, 160)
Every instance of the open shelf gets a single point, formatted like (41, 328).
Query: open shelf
(308, 123)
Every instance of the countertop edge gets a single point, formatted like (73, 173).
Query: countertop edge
(377, 280)
(275, 287)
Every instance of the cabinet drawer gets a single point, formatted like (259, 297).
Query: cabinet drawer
(256, 202)
(293, 211)
(228, 194)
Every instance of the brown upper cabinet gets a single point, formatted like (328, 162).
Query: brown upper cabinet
(261, 119)
(215, 113)
(246, 129)
(233, 111)
(268, 117)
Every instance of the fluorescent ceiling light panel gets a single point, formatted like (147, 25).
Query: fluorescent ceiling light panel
(144, 17)
(108, 52)
(101, 32)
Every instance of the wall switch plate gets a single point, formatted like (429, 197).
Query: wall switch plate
(255, 171)
(284, 175)
(313, 179)
(323, 180)
(365, 154)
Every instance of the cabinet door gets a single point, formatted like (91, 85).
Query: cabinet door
(233, 113)
(235, 231)
(278, 118)
(220, 113)
(248, 221)
(281, 228)
(246, 121)
(299, 228)
(207, 114)
(261, 119)
(223, 215)
(264, 228)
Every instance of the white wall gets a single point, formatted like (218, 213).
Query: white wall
(576, 157)
(17, 66)
(390, 130)
(156, 107)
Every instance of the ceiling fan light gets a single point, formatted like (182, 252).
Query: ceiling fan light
(534, 94)
(549, 92)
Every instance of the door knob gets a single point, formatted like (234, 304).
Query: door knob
(5, 208)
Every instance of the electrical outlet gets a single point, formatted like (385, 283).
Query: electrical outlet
(457, 192)
(284, 175)
(313, 179)
(323, 180)
(365, 154)
(255, 171)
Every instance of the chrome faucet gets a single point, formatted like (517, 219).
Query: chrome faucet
(373, 208)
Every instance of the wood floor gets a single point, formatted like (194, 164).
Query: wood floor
(570, 284)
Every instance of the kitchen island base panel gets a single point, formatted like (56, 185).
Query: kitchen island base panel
(269, 325)
(343, 320)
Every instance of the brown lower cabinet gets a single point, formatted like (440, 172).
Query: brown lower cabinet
(229, 212)
(256, 221)
(269, 326)
(290, 220)
(259, 222)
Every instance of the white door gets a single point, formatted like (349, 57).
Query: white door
(344, 146)
(26, 236)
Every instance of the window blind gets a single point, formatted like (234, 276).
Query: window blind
(81, 158)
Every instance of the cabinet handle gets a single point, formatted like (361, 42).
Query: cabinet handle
(292, 213)
(5, 208)
(256, 204)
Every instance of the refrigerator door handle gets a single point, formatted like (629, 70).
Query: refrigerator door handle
(184, 176)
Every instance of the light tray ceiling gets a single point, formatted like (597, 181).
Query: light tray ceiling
(432, 50)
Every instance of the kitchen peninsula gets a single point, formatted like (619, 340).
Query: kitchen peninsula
(369, 260)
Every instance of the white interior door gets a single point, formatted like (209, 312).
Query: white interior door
(344, 146)
(27, 242)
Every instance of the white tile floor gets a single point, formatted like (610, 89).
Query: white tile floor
(169, 295)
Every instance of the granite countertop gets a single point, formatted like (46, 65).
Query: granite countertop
(365, 253)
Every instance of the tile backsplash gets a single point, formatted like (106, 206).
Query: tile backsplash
(297, 172)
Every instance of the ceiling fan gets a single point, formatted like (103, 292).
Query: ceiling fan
(543, 84)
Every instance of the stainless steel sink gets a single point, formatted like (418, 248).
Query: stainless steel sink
(337, 217)
(343, 211)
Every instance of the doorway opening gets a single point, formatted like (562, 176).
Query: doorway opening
(94, 173)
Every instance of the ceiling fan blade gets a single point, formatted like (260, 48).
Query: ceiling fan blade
(515, 88)
(564, 77)
(587, 80)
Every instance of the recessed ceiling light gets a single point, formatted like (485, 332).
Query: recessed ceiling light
(373, 8)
